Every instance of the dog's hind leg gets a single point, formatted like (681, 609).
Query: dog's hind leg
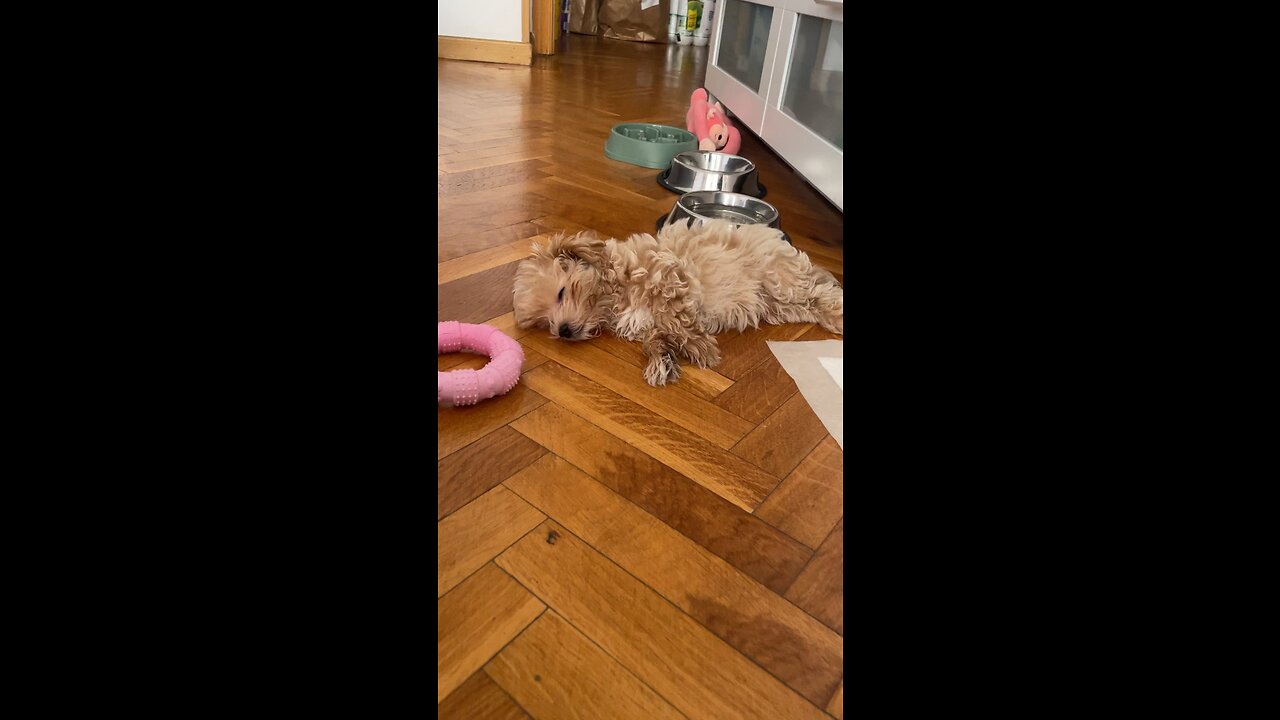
(822, 304)
(828, 305)
(826, 300)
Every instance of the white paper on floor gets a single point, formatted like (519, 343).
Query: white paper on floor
(818, 370)
(834, 368)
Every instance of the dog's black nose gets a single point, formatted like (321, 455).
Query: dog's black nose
(565, 332)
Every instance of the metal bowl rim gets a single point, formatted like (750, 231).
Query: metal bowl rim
(751, 167)
(774, 215)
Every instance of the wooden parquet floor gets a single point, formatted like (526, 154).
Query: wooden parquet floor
(607, 549)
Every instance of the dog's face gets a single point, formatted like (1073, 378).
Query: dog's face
(560, 288)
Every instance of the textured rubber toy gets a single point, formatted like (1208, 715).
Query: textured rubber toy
(468, 387)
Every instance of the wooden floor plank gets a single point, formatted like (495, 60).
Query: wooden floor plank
(646, 186)
(706, 384)
(721, 472)
(475, 621)
(487, 208)
(477, 468)
(810, 501)
(820, 588)
(471, 361)
(462, 161)
(478, 296)
(496, 226)
(532, 359)
(779, 443)
(521, 142)
(573, 191)
(629, 352)
(649, 186)
(465, 243)
(619, 191)
(817, 332)
(608, 218)
(458, 427)
(835, 708)
(506, 322)
(502, 134)
(818, 231)
(558, 674)
(760, 624)
(452, 361)
(691, 668)
(556, 224)
(759, 392)
(479, 698)
(487, 178)
(479, 199)
(473, 535)
(740, 352)
(460, 267)
(741, 539)
(690, 412)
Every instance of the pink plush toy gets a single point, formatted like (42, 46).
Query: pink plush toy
(710, 125)
(468, 387)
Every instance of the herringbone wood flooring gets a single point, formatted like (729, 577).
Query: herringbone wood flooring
(607, 549)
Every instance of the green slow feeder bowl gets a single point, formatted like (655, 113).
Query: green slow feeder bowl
(648, 145)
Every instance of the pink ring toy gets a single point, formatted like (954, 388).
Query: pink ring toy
(468, 387)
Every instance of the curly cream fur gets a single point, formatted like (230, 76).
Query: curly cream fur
(675, 292)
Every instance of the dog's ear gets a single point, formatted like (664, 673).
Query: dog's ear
(542, 250)
(525, 274)
(584, 246)
(523, 323)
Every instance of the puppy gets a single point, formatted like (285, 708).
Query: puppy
(675, 292)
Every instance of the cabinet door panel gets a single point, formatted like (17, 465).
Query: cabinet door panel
(740, 71)
(831, 9)
(778, 67)
(804, 115)
(744, 39)
(813, 86)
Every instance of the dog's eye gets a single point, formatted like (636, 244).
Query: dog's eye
(560, 297)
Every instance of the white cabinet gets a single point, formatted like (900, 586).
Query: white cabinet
(778, 66)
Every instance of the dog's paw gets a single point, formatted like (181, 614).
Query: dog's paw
(703, 352)
(661, 370)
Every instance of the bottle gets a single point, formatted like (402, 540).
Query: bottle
(671, 26)
(702, 35)
(694, 15)
(682, 18)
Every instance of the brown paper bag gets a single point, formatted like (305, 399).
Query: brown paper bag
(582, 16)
(626, 20)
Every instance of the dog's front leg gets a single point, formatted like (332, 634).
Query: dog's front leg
(662, 367)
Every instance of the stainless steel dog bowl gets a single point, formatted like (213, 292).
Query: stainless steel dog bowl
(698, 170)
(737, 208)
